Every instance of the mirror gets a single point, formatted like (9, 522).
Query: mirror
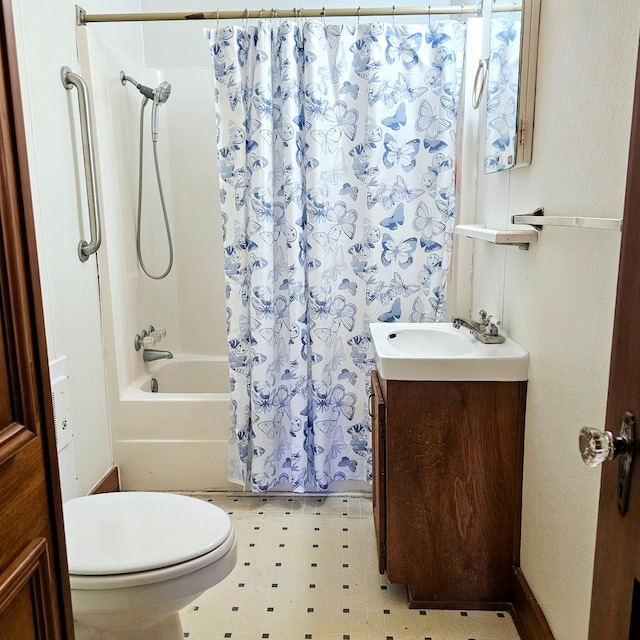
(510, 86)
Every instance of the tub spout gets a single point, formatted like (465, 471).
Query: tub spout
(149, 355)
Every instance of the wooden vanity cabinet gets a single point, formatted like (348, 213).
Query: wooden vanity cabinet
(447, 487)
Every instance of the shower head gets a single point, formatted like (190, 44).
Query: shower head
(161, 92)
(159, 95)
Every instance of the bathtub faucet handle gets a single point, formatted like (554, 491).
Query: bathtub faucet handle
(144, 339)
(158, 334)
(149, 337)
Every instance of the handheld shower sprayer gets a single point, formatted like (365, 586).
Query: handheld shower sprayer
(159, 95)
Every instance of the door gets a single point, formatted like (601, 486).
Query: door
(34, 592)
(615, 601)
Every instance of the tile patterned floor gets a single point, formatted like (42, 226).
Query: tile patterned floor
(307, 570)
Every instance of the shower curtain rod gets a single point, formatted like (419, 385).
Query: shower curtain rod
(82, 17)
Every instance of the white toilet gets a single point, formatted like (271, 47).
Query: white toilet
(137, 558)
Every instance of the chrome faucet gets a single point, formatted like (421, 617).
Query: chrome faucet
(149, 355)
(486, 331)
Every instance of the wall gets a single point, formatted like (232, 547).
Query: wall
(46, 42)
(557, 299)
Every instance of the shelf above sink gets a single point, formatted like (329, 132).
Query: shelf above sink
(518, 237)
(438, 351)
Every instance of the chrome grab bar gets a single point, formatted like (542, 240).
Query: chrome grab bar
(69, 80)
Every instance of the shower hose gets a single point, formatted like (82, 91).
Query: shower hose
(162, 202)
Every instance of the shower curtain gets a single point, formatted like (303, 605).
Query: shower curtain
(336, 151)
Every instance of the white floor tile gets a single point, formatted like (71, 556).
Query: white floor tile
(307, 570)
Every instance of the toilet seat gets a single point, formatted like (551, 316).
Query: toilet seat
(117, 540)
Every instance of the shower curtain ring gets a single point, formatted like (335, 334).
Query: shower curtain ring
(323, 16)
(393, 16)
(429, 16)
(358, 18)
(246, 19)
(218, 19)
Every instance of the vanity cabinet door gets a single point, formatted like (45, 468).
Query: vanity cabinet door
(378, 427)
(453, 478)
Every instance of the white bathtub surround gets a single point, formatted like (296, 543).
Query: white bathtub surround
(174, 440)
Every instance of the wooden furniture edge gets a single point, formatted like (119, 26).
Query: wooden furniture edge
(109, 482)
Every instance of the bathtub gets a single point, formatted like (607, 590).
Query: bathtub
(187, 377)
(175, 438)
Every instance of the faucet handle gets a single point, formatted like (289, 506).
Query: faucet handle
(491, 326)
(158, 334)
(148, 342)
(487, 320)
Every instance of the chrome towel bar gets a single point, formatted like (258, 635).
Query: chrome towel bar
(537, 219)
(69, 80)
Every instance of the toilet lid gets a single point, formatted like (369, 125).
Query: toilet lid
(114, 533)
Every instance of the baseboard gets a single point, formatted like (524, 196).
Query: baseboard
(460, 605)
(109, 482)
(527, 614)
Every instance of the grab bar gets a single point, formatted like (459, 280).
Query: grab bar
(69, 80)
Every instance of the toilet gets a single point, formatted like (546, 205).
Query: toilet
(137, 558)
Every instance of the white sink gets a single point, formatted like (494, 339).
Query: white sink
(437, 351)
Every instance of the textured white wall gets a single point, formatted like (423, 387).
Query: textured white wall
(557, 299)
(46, 41)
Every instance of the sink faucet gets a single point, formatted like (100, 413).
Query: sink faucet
(486, 331)
(149, 355)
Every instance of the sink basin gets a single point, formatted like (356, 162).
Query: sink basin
(438, 351)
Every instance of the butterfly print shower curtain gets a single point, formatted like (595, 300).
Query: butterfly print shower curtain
(336, 153)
